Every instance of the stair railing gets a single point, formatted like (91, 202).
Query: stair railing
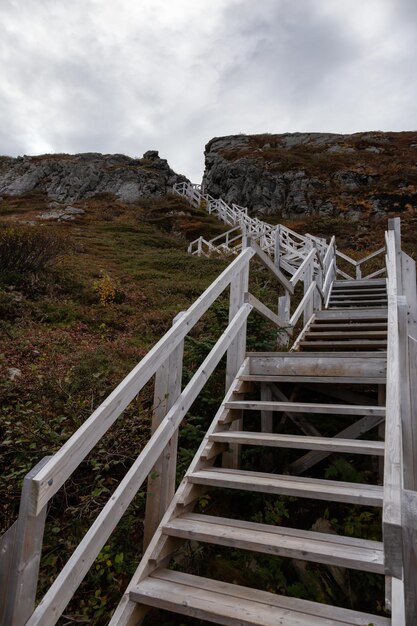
(21, 544)
(357, 264)
(278, 241)
(400, 471)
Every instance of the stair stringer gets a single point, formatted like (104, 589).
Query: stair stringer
(162, 547)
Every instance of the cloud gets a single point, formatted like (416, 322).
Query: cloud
(99, 75)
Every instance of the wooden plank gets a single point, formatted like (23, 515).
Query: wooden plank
(391, 516)
(351, 432)
(286, 378)
(347, 326)
(264, 311)
(25, 556)
(412, 377)
(360, 283)
(338, 491)
(70, 455)
(409, 549)
(394, 226)
(351, 314)
(301, 442)
(331, 364)
(306, 407)
(352, 344)
(236, 350)
(233, 605)
(358, 296)
(161, 481)
(268, 263)
(379, 301)
(398, 615)
(410, 292)
(305, 265)
(304, 305)
(346, 334)
(299, 544)
(377, 273)
(7, 542)
(57, 597)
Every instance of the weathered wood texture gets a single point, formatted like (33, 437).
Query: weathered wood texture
(161, 481)
(24, 547)
(409, 552)
(64, 462)
(53, 603)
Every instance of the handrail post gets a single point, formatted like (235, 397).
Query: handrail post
(394, 224)
(161, 481)
(21, 579)
(284, 312)
(277, 246)
(308, 279)
(236, 351)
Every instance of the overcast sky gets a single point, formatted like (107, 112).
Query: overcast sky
(133, 75)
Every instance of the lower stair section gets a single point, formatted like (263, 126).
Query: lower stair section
(232, 605)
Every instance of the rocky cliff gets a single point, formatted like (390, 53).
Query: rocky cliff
(68, 178)
(361, 175)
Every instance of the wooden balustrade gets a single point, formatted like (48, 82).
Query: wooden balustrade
(158, 456)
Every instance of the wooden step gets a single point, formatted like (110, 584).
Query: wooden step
(340, 295)
(306, 407)
(300, 442)
(234, 605)
(317, 489)
(370, 314)
(359, 303)
(372, 282)
(353, 344)
(344, 367)
(378, 289)
(347, 333)
(331, 549)
(344, 325)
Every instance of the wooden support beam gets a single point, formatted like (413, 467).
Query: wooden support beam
(161, 480)
(24, 545)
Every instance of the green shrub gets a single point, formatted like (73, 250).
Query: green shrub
(28, 249)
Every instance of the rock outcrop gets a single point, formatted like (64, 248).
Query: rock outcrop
(67, 178)
(365, 174)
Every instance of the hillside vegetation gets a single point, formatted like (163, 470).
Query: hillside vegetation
(81, 302)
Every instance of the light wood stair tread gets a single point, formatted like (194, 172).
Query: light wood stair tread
(234, 605)
(360, 282)
(328, 548)
(301, 442)
(290, 485)
(352, 343)
(346, 325)
(339, 379)
(369, 313)
(346, 334)
(306, 407)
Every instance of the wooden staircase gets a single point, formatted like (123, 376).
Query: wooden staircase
(343, 388)
(340, 348)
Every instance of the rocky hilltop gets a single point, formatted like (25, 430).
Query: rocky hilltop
(68, 178)
(354, 176)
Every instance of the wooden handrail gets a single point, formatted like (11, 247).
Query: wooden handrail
(61, 591)
(67, 459)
